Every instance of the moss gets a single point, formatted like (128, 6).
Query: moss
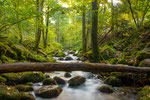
(114, 81)
(24, 88)
(141, 55)
(19, 50)
(5, 59)
(2, 79)
(29, 83)
(49, 81)
(9, 93)
(145, 63)
(144, 94)
(10, 53)
(113, 61)
(3, 49)
(11, 77)
(32, 77)
(60, 54)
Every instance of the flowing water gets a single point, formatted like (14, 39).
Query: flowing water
(88, 90)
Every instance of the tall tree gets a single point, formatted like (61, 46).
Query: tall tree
(83, 31)
(95, 48)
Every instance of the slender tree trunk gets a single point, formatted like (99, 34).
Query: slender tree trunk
(47, 24)
(20, 34)
(38, 30)
(88, 30)
(132, 13)
(83, 32)
(94, 36)
(112, 16)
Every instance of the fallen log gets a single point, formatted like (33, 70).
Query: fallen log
(87, 67)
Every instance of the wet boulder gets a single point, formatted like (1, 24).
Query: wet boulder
(61, 58)
(32, 77)
(67, 75)
(50, 91)
(114, 81)
(145, 63)
(59, 80)
(27, 96)
(68, 58)
(49, 81)
(24, 88)
(76, 81)
(106, 89)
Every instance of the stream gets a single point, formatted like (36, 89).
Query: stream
(88, 90)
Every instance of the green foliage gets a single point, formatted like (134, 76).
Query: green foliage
(2, 79)
(144, 93)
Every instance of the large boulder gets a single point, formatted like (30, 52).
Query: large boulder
(49, 81)
(114, 81)
(145, 63)
(9, 93)
(59, 80)
(68, 58)
(32, 77)
(27, 96)
(67, 75)
(24, 88)
(11, 77)
(144, 94)
(50, 91)
(106, 89)
(76, 81)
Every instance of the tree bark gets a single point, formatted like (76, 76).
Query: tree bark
(83, 31)
(87, 67)
(95, 48)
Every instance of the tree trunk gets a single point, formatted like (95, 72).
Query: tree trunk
(47, 24)
(88, 67)
(95, 48)
(83, 32)
(38, 30)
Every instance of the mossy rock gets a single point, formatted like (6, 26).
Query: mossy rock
(49, 81)
(50, 91)
(11, 77)
(32, 77)
(67, 75)
(144, 94)
(2, 79)
(141, 55)
(9, 93)
(24, 88)
(27, 96)
(114, 81)
(60, 54)
(76, 81)
(145, 63)
(68, 58)
(59, 80)
(29, 83)
(106, 89)
(3, 49)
